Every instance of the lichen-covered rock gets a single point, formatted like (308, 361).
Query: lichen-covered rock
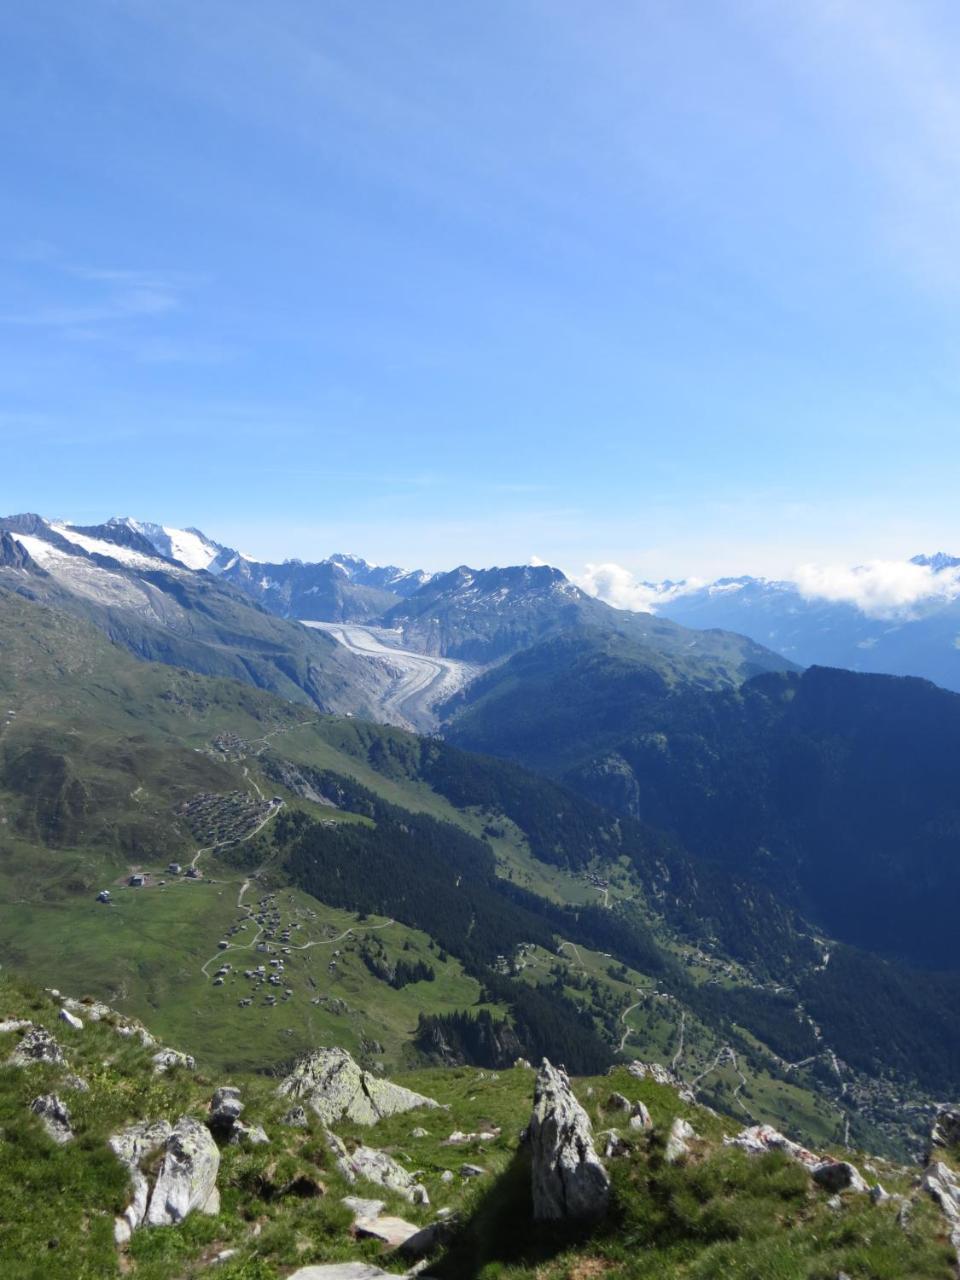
(225, 1110)
(366, 1164)
(568, 1179)
(332, 1085)
(130, 1147)
(617, 1102)
(681, 1134)
(295, 1118)
(250, 1134)
(225, 1106)
(188, 1176)
(37, 1045)
(54, 1116)
(71, 1020)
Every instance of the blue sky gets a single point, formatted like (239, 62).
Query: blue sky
(671, 285)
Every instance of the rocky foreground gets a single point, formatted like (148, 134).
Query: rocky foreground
(119, 1157)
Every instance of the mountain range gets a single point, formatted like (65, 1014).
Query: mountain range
(909, 625)
(607, 804)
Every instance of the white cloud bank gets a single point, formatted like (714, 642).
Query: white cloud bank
(879, 588)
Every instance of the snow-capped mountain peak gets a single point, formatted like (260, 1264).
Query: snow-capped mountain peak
(190, 547)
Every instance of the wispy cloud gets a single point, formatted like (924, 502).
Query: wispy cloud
(91, 299)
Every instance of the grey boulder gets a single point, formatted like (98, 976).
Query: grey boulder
(188, 1176)
(838, 1175)
(131, 1146)
(569, 1182)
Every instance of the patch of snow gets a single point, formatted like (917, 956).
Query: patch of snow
(98, 546)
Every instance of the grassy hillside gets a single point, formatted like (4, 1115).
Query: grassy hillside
(716, 1212)
(387, 855)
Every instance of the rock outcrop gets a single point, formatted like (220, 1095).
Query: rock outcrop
(333, 1086)
(167, 1059)
(96, 1011)
(54, 1115)
(681, 1134)
(225, 1110)
(186, 1180)
(569, 1182)
(943, 1185)
(37, 1045)
(832, 1175)
(188, 1176)
(366, 1164)
(660, 1074)
(131, 1146)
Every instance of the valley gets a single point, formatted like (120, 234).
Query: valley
(417, 683)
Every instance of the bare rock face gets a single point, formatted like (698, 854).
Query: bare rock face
(188, 1177)
(331, 1084)
(37, 1045)
(569, 1182)
(54, 1115)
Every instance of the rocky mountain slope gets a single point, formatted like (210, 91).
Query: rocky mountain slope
(330, 1172)
(159, 610)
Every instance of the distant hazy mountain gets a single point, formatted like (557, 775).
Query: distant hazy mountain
(918, 636)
